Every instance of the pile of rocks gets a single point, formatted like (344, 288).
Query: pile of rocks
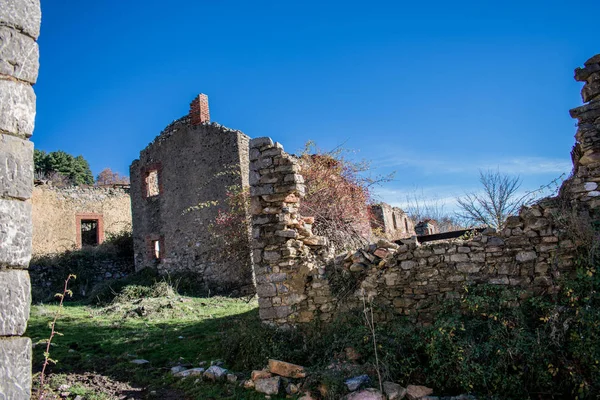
(278, 376)
(392, 391)
(283, 378)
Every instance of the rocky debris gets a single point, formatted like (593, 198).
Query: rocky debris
(291, 388)
(414, 392)
(232, 378)
(356, 382)
(268, 385)
(177, 368)
(215, 373)
(306, 396)
(286, 369)
(248, 384)
(260, 374)
(394, 391)
(189, 372)
(366, 394)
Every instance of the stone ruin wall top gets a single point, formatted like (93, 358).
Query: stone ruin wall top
(295, 271)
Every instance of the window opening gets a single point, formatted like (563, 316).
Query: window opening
(156, 249)
(394, 219)
(89, 232)
(152, 186)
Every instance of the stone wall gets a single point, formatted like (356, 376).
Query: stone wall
(298, 280)
(57, 213)
(195, 162)
(391, 221)
(19, 28)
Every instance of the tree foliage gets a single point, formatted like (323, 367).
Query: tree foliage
(75, 169)
(108, 177)
(498, 200)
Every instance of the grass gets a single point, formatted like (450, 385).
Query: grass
(493, 343)
(166, 331)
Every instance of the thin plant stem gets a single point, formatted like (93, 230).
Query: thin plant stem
(53, 332)
(368, 312)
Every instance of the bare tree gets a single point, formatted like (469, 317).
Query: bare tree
(495, 203)
(419, 208)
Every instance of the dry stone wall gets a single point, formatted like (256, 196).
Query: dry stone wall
(298, 280)
(19, 29)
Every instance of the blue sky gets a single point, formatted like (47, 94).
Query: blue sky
(431, 90)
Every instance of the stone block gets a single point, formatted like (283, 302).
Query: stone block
(15, 233)
(261, 142)
(24, 15)
(16, 167)
(15, 368)
(524, 256)
(268, 386)
(591, 90)
(459, 257)
(17, 108)
(260, 374)
(261, 190)
(267, 313)
(15, 297)
(286, 369)
(586, 113)
(19, 55)
(414, 392)
(266, 290)
(394, 391)
(408, 264)
(469, 268)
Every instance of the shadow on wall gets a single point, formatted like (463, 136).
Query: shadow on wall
(109, 260)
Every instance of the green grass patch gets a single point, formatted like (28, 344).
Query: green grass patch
(490, 343)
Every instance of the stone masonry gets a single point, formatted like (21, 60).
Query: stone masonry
(178, 186)
(298, 279)
(19, 28)
(58, 212)
(391, 221)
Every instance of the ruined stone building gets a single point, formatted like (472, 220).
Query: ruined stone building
(391, 221)
(178, 185)
(295, 270)
(427, 227)
(73, 217)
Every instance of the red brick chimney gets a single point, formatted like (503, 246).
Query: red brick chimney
(199, 113)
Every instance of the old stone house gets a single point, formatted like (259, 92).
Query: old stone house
(391, 221)
(72, 217)
(179, 185)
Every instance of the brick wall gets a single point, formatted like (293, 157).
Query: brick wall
(199, 113)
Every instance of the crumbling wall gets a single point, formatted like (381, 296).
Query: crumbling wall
(195, 163)
(391, 221)
(299, 281)
(56, 211)
(19, 29)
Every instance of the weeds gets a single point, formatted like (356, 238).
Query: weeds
(53, 332)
